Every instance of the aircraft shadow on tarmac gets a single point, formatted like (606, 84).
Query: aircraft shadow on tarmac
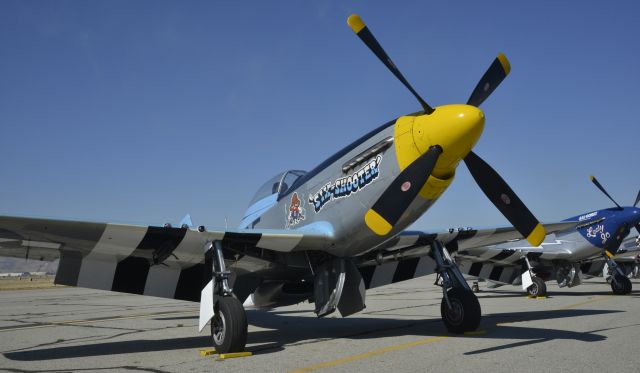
(284, 329)
(528, 336)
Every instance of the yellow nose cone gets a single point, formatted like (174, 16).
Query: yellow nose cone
(455, 128)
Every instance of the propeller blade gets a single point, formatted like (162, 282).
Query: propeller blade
(636, 202)
(491, 79)
(595, 181)
(394, 201)
(358, 26)
(614, 243)
(505, 199)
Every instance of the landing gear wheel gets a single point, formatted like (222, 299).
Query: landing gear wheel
(538, 288)
(464, 315)
(621, 285)
(229, 326)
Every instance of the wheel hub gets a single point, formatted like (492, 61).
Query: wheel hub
(455, 313)
(219, 327)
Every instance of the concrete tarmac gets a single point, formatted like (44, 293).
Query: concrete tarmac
(583, 329)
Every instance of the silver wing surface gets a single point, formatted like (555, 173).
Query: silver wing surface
(169, 262)
(409, 254)
(157, 261)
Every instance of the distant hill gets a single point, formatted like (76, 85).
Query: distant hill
(11, 265)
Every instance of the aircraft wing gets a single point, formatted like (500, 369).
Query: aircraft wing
(407, 255)
(159, 261)
(416, 243)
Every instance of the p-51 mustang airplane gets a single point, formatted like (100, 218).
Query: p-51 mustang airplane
(589, 248)
(627, 260)
(324, 235)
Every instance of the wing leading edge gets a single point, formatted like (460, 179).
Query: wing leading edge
(157, 261)
(408, 256)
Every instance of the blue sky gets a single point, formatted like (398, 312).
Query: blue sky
(142, 111)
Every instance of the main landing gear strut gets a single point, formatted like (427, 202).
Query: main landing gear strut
(229, 321)
(620, 283)
(460, 308)
(538, 287)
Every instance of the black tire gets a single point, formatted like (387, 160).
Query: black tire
(465, 313)
(229, 326)
(621, 285)
(538, 288)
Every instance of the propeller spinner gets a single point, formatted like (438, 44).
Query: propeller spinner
(455, 128)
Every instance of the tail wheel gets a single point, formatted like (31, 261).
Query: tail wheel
(229, 326)
(538, 288)
(464, 314)
(621, 285)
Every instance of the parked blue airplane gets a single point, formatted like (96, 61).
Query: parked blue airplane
(627, 260)
(587, 248)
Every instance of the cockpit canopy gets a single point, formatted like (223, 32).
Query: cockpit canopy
(278, 184)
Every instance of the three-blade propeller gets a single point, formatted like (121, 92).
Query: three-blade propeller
(394, 201)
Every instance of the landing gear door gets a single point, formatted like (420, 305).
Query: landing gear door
(526, 279)
(327, 286)
(338, 285)
(353, 291)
